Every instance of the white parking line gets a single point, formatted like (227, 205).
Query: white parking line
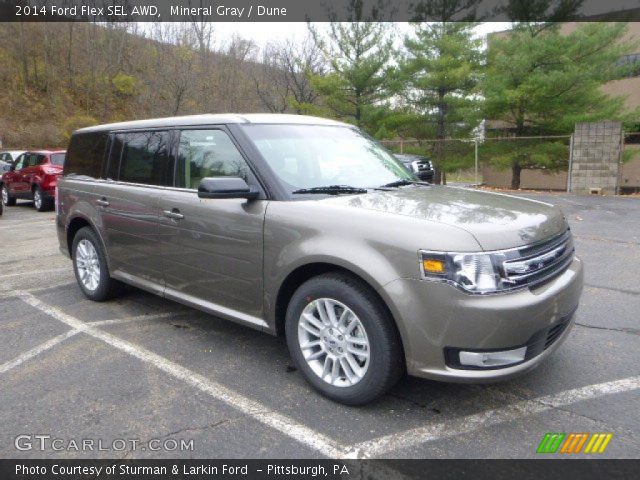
(408, 438)
(19, 360)
(327, 446)
(35, 272)
(288, 426)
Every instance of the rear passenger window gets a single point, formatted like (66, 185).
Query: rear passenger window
(33, 159)
(144, 157)
(85, 154)
(117, 142)
(207, 153)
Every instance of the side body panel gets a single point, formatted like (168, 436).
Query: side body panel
(378, 247)
(214, 253)
(130, 229)
(76, 200)
(16, 181)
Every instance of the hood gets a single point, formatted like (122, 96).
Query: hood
(53, 169)
(497, 221)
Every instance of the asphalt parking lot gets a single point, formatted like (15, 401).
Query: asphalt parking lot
(143, 368)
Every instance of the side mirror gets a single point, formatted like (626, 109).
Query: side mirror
(226, 187)
(12, 168)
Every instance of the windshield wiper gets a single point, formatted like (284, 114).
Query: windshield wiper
(332, 189)
(399, 183)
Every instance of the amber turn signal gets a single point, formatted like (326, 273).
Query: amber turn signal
(433, 266)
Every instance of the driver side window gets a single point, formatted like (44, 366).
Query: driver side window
(20, 162)
(207, 153)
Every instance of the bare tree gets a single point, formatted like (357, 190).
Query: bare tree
(283, 81)
(231, 74)
(175, 63)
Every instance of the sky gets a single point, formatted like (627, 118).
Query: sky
(263, 32)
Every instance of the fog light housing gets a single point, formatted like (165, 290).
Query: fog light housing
(494, 359)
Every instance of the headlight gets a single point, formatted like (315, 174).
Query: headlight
(473, 272)
(497, 271)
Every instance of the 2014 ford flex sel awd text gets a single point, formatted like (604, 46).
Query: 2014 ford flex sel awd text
(305, 227)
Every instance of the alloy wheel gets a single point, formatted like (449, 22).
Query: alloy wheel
(5, 196)
(334, 342)
(37, 199)
(88, 264)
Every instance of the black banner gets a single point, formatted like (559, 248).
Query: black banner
(328, 469)
(317, 10)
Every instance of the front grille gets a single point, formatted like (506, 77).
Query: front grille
(554, 333)
(421, 166)
(538, 263)
(546, 337)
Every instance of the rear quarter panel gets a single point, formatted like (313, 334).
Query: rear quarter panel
(75, 200)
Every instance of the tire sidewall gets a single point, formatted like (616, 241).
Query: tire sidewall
(37, 191)
(371, 316)
(102, 291)
(10, 201)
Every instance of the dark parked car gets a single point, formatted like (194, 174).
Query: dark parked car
(268, 221)
(421, 166)
(7, 158)
(33, 176)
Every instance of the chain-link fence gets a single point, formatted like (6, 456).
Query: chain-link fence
(536, 159)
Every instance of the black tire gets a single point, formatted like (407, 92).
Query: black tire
(386, 361)
(43, 204)
(10, 201)
(107, 287)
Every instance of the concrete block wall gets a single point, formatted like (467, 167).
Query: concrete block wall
(596, 157)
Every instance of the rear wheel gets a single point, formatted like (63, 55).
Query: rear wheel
(343, 339)
(90, 267)
(7, 199)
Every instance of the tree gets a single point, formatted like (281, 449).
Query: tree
(283, 82)
(540, 81)
(358, 53)
(438, 79)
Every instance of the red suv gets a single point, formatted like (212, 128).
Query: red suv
(33, 176)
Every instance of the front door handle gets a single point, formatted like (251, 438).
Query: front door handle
(173, 214)
(103, 202)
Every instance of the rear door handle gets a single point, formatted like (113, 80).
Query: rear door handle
(174, 214)
(103, 202)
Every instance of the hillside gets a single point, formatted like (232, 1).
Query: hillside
(56, 77)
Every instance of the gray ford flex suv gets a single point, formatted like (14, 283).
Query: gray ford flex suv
(268, 221)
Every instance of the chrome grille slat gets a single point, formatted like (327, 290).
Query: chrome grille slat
(540, 262)
(535, 250)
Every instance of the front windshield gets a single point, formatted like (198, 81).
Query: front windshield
(308, 156)
(58, 158)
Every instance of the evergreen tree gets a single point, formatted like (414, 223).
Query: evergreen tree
(358, 53)
(438, 78)
(540, 81)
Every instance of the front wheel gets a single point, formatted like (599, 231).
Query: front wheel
(7, 199)
(343, 339)
(90, 267)
(40, 203)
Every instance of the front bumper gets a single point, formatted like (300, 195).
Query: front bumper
(425, 176)
(435, 318)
